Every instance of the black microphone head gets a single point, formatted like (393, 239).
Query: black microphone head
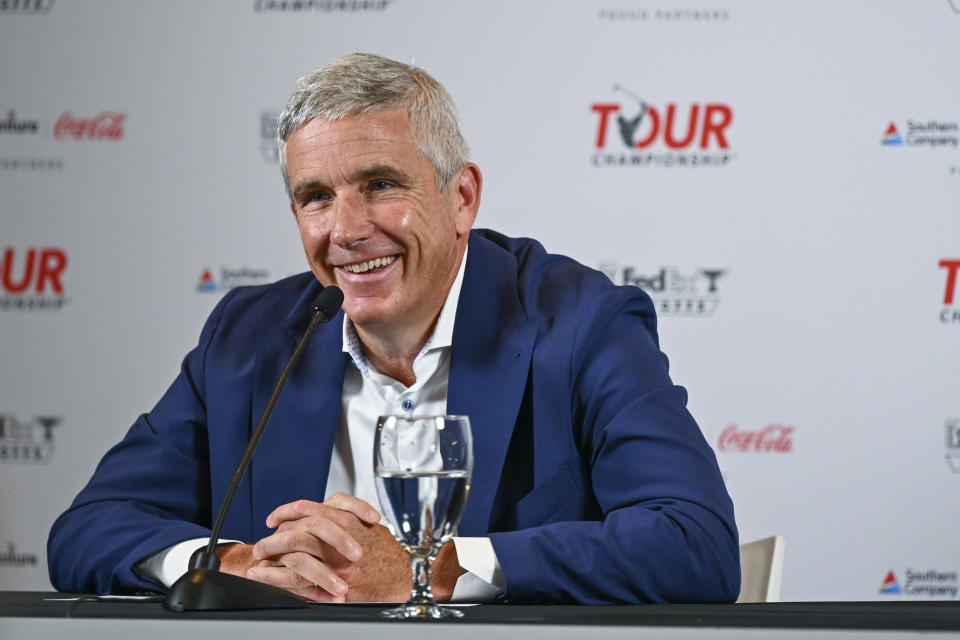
(328, 301)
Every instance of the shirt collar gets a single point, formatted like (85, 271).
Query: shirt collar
(440, 338)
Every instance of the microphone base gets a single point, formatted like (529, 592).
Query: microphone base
(207, 590)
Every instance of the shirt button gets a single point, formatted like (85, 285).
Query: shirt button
(407, 405)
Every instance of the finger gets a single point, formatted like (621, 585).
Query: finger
(308, 536)
(269, 562)
(283, 578)
(356, 506)
(292, 511)
(285, 516)
(299, 573)
(319, 595)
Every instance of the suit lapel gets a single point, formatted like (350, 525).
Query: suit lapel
(492, 346)
(293, 459)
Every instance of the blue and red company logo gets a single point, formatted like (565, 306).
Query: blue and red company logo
(892, 137)
(206, 283)
(231, 277)
(890, 585)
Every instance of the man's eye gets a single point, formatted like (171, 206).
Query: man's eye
(318, 197)
(380, 185)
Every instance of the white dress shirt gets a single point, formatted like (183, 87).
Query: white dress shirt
(367, 395)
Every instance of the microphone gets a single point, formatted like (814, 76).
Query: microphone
(204, 587)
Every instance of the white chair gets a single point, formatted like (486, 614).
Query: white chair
(761, 570)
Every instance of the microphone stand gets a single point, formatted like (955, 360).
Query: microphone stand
(204, 587)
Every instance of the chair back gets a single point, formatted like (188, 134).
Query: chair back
(761, 570)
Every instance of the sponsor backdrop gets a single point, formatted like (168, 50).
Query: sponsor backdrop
(783, 178)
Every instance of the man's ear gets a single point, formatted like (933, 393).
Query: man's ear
(468, 183)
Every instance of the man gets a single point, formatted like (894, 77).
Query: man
(592, 482)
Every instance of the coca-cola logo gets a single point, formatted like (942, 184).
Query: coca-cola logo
(106, 125)
(773, 438)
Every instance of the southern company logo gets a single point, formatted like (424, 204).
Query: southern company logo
(231, 278)
(27, 441)
(890, 584)
(892, 138)
(12, 125)
(640, 134)
(18, 127)
(673, 291)
(925, 584)
(953, 444)
(932, 134)
(37, 285)
(13, 558)
(950, 313)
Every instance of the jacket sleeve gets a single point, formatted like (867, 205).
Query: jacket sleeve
(150, 491)
(666, 532)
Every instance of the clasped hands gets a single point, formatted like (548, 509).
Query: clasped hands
(335, 551)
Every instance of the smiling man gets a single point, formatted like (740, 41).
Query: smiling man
(592, 482)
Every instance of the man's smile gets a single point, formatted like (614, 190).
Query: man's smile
(370, 265)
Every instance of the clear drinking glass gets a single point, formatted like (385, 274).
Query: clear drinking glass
(422, 466)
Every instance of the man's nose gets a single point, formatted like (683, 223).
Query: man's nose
(351, 223)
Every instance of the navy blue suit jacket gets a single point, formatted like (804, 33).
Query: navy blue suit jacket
(591, 479)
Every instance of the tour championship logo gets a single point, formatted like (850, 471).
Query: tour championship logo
(637, 133)
(106, 125)
(773, 438)
(674, 291)
(950, 312)
(929, 134)
(927, 584)
(952, 455)
(231, 278)
(27, 441)
(32, 279)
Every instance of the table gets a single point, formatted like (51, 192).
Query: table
(26, 614)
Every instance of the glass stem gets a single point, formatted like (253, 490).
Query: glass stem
(421, 592)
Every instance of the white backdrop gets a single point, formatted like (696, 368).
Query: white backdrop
(797, 257)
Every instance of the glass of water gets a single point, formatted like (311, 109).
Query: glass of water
(422, 466)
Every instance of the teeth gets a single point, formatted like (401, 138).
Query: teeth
(376, 263)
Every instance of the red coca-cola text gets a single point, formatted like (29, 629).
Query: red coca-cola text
(773, 438)
(106, 125)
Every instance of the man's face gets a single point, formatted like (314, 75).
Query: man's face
(372, 221)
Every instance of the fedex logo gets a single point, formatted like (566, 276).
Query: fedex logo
(699, 126)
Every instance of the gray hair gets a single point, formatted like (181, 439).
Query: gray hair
(363, 83)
